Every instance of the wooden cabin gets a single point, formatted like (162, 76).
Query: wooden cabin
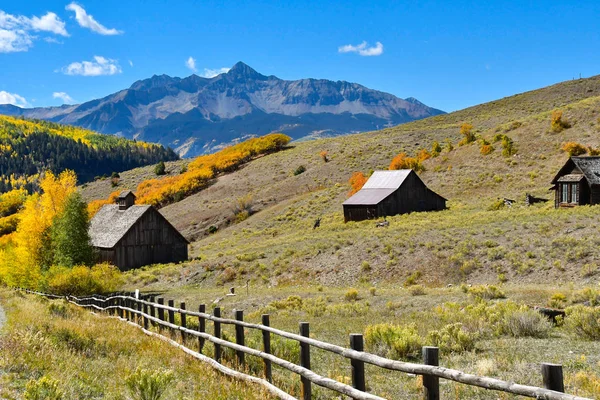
(130, 236)
(577, 182)
(388, 193)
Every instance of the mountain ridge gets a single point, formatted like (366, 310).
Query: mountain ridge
(230, 106)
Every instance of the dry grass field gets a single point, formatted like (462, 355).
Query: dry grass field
(532, 255)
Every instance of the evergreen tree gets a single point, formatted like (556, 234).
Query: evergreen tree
(69, 234)
(159, 169)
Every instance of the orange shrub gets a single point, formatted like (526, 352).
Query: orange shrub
(486, 149)
(557, 123)
(324, 155)
(423, 155)
(357, 181)
(402, 161)
(573, 148)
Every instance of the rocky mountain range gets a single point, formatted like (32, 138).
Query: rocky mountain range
(195, 115)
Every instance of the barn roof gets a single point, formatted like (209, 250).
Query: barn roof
(124, 194)
(110, 224)
(379, 186)
(387, 179)
(589, 167)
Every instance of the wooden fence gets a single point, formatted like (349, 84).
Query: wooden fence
(148, 310)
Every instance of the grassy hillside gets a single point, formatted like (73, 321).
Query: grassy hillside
(28, 147)
(466, 242)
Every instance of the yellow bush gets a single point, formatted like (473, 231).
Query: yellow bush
(351, 295)
(573, 148)
(466, 130)
(394, 341)
(402, 161)
(82, 280)
(557, 122)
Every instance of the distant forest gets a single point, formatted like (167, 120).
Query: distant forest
(28, 148)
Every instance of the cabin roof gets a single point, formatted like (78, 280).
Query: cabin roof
(590, 166)
(110, 224)
(125, 193)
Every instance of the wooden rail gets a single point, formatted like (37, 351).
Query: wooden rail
(143, 312)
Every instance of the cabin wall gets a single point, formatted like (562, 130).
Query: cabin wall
(595, 194)
(359, 213)
(151, 240)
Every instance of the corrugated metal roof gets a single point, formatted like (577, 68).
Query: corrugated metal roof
(590, 166)
(365, 197)
(570, 178)
(387, 179)
(110, 224)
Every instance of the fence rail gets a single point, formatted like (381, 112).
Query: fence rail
(141, 312)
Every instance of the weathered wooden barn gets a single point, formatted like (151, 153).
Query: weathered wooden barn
(130, 236)
(577, 182)
(388, 193)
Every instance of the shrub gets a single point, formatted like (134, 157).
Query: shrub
(557, 300)
(573, 148)
(583, 321)
(212, 229)
(486, 292)
(417, 290)
(373, 290)
(412, 279)
(402, 161)
(291, 303)
(436, 149)
(148, 385)
(351, 295)
(357, 181)
(557, 122)
(44, 388)
(300, 170)
(527, 323)
(423, 155)
(466, 130)
(449, 145)
(486, 149)
(592, 151)
(243, 208)
(453, 338)
(228, 275)
(588, 295)
(81, 280)
(160, 169)
(324, 156)
(365, 266)
(497, 205)
(394, 341)
(508, 147)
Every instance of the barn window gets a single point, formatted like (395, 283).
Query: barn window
(564, 191)
(574, 194)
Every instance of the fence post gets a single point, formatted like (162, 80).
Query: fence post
(183, 321)
(239, 336)
(358, 367)
(201, 326)
(145, 308)
(431, 384)
(552, 375)
(217, 314)
(161, 311)
(153, 309)
(140, 308)
(121, 305)
(267, 347)
(171, 313)
(305, 361)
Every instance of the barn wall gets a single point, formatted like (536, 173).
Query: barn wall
(359, 213)
(151, 240)
(412, 196)
(595, 194)
(105, 255)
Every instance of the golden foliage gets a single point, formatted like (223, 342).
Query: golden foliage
(573, 148)
(486, 149)
(160, 192)
(557, 122)
(324, 155)
(21, 264)
(466, 130)
(357, 181)
(423, 155)
(402, 161)
(79, 280)
(95, 205)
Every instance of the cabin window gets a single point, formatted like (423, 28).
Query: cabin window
(564, 189)
(574, 194)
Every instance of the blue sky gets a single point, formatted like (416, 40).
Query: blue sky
(449, 55)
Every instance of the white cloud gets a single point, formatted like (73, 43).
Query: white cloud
(87, 21)
(12, 98)
(130, 63)
(362, 49)
(15, 30)
(211, 73)
(50, 39)
(64, 97)
(49, 23)
(191, 63)
(99, 66)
